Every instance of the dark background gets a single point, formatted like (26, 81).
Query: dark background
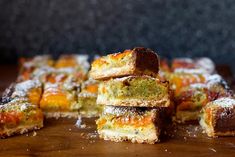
(173, 28)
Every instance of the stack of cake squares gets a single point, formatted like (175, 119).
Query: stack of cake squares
(133, 96)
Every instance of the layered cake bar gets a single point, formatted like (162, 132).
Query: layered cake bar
(18, 117)
(139, 61)
(218, 117)
(59, 100)
(190, 99)
(135, 124)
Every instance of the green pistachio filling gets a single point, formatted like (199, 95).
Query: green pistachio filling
(137, 88)
(89, 106)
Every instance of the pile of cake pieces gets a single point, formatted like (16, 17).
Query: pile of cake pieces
(137, 99)
(134, 93)
(200, 94)
(134, 98)
(48, 88)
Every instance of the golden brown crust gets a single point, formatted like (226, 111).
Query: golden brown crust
(217, 134)
(20, 130)
(218, 117)
(117, 137)
(139, 61)
(19, 116)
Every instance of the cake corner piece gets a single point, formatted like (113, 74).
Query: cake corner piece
(19, 117)
(128, 62)
(218, 117)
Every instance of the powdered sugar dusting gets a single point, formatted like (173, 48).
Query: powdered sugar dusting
(214, 78)
(22, 88)
(41, 58)
(82, 60)
(206, 64)
(44, 70)
(225, 102)
(129, 77)
(67, 70)
(198, 85)
(16, 103)
(23, 107)
(190, 71)
(88, 82)
(118, 111)
(184, 59)
(212, 149)
(79, 122)
(86, 94)
(37, 61)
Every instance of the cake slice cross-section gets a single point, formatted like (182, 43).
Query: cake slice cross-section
(135, 91)
(18, 117)
(139, 61)
(218, 117)
(135, 124)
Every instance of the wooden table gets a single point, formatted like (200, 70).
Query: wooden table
(62, 138)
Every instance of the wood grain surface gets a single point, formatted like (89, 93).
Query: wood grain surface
(61, 138)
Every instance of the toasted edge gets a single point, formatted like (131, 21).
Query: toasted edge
(20, 130)
(138, 65)
(119, 137)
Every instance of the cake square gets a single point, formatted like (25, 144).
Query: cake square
(139, 61)
(59, 100)
(135, 124)
(28, 65)
(79, 63)
(218, 117)
(184, 77)
(18, 117)
(87, 99)
(190, 99)
(76, 61)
